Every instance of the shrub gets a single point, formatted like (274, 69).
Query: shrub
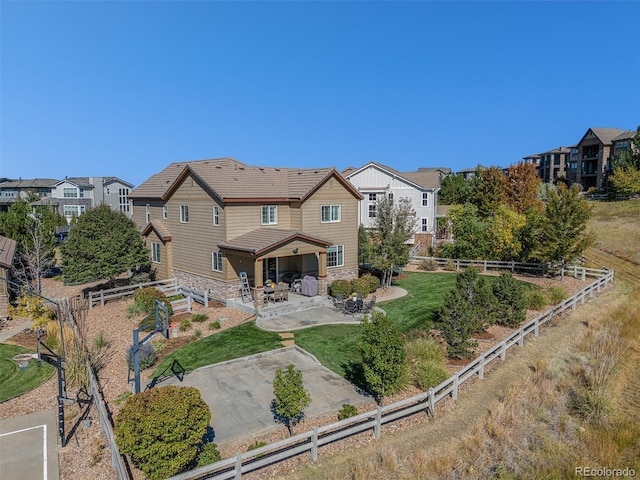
(185, 324)
(360, 285)
(450, 266)
(536, 300)
(426, 362)
(341, 287)
(199, 317)
(255, 445)
(197, 334)
(162, 429)
(147, 356)
(214, 325)
(208, 454)
(428, 265)
(373, 281)
(429, 373)
(556, 294)
(347, 411)
(145, 298)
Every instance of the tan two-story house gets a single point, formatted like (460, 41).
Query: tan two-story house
(207, 221)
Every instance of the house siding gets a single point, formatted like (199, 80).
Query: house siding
(194, 241)
(344, 232)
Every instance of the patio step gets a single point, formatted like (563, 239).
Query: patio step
(287, 308)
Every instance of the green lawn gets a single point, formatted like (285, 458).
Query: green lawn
(336, 346)
(240, 341)
(15, 382)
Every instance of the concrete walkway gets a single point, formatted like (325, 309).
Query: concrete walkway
(318, 316)
(7, 333)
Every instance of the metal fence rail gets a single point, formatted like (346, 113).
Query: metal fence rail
(426, 402)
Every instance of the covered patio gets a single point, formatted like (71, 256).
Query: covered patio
(276, 260)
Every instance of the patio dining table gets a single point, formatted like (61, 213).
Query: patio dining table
(271, 292)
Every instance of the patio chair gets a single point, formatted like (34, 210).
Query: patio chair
(282, 292)
(338, 303)
(367, 307)
(350, 307)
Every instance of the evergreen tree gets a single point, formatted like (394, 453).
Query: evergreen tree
(511, 303)
(383, 354)
(102, 245)
(469, 308)
(291, 396)
(454, 190)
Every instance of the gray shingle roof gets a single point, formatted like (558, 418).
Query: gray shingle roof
(606, 135)
(424, 177)
(29, 183)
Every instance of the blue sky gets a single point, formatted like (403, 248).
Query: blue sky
(125, 88)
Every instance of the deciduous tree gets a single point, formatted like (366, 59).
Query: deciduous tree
(102, 245)
(521, 186)
(291, 398)
(468, 231)
(490, 191)
(393, 227)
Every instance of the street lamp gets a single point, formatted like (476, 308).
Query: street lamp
(49, 356)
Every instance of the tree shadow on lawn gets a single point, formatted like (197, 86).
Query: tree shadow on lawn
(354, 373)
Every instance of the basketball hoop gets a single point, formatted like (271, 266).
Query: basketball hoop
(23, 360)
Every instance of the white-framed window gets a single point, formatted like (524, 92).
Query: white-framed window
(269, 215)
(70, 192)
(184, 213)
(330, 213)
(335, 256)
(373, 197)
(390, 195)
(424, 227)
(123, 200)
(216, 215)
(155, 252)
(165, 211)
(372, 210)
(216, 261)
(425, 199)
(71, 210)
(147, 212)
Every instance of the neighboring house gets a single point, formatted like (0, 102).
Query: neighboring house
(595, 151)
(207, 221)
(375, 180)
(71, 196)
(12, 190)
(7, 252)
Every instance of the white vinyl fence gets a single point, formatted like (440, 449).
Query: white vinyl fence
(426, 402)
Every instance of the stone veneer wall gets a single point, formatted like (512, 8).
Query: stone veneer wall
(219, 290)
(346, 273)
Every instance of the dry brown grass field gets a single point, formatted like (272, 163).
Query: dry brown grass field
(569, 399)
